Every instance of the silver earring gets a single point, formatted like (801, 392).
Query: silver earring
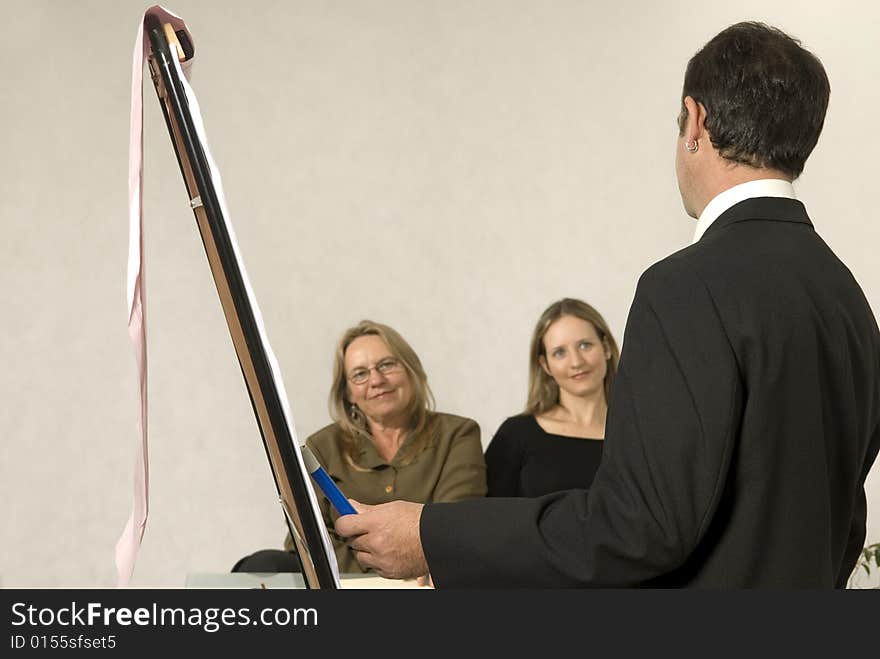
(692, 149)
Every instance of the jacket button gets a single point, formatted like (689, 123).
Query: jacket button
(389, 489)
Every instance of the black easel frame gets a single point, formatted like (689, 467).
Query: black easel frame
(293, 490)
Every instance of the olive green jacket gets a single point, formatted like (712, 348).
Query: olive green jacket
(449, 467)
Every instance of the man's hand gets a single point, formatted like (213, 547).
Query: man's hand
(385, 538)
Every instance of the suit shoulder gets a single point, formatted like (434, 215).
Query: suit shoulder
(678, 270)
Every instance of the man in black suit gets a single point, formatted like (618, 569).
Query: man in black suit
(746, 412)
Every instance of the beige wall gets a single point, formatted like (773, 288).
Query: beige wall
(445, 167)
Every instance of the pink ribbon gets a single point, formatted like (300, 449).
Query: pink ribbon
(130, 541)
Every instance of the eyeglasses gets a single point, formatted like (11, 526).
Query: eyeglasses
(384, 367)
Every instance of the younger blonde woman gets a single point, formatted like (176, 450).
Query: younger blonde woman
(556, 444)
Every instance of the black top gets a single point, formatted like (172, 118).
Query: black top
(524, 460)
(744, 418)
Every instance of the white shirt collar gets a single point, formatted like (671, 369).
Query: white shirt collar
(765, 187)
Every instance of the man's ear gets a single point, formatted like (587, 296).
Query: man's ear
(695, 123)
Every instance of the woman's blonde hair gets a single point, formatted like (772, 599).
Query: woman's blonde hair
(543, 390)
(350, 418)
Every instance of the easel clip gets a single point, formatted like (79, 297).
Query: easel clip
(173, 41)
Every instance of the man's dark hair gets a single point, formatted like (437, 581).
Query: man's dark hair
(765, 96)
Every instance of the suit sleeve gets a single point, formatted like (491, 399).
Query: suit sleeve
(670, 433)
(504, 458)
(464, 470)
(857, 532)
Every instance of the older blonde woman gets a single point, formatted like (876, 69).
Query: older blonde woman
(556, 444)
(386, 441)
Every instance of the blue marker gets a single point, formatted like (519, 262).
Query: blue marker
(328, 487)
